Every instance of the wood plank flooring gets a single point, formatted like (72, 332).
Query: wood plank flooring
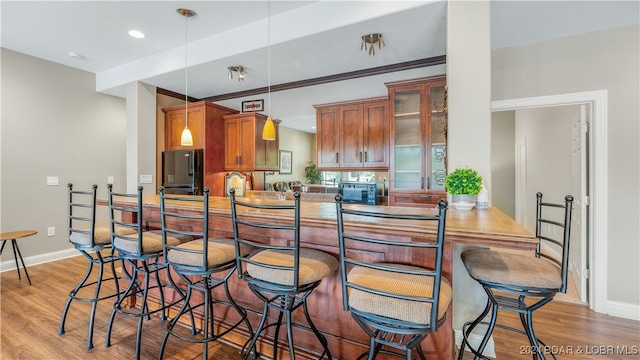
(30, 318)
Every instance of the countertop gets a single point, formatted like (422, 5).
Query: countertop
(490, 227)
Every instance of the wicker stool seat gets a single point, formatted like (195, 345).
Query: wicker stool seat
(403, 285)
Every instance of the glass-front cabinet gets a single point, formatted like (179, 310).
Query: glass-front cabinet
(418, 143)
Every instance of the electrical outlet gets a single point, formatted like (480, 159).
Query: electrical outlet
(146, 179)
(51, 231)
(52, 180)
(109, 179)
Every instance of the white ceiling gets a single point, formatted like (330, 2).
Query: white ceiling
(308, 39)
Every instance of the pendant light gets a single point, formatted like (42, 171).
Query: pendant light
(269, 130)
(186, 139)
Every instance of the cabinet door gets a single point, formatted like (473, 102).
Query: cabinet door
(266, 154)
(239, 147)
(351, 136)
(327, 143)
(376, 135)
(407, 170)
(247, 144)
(174, 124)
(437, 151)
(232, 146)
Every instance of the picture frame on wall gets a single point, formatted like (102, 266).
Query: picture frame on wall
(285, 161)
(252, 106)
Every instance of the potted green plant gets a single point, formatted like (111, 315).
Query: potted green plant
(463, 184)
(311, 174)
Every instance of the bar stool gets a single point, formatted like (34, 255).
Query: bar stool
(90, 241)
(196, 262)
(522, 283)
(142, 252)
(397, 305)
(282, 276)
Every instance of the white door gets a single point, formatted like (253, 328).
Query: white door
(579, 234)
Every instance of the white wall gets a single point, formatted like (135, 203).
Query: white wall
(503, 170)
(601, 60)
(469, 86)
(53, 124)
(302, 146)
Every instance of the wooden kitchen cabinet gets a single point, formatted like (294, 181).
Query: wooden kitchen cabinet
(244, 149)
(353, 135)
(418, 165)
(206, 123)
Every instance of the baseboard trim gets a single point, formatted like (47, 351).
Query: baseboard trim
(39, 259)
(475, 340)
(623, 310)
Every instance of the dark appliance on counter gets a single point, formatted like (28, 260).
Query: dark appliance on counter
(182, 171)
(358, 192)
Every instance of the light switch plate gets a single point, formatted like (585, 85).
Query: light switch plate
(146, 179)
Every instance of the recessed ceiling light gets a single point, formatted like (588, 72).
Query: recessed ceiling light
(136, 34)
(74, 55)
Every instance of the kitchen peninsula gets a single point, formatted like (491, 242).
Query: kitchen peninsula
(318, 230)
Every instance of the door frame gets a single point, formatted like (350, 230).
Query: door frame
(598, 184)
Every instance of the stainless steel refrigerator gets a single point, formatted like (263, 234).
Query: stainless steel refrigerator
(182, 171)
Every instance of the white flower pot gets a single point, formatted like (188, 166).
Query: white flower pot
(463, 201)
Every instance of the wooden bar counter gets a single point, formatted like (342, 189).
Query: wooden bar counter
(318, 230)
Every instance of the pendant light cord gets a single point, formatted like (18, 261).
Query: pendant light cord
(269, 52)
(186, 71)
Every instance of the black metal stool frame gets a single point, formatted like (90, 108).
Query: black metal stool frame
(206, 281)
(283, 298)
(97, 259)
(512, 298)
(146, 263)
(385, 331)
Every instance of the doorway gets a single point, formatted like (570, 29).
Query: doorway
(594, 104)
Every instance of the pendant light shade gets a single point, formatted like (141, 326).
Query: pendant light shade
(269, 130)
(187, 138)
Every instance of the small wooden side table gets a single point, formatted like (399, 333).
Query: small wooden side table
(13, 235)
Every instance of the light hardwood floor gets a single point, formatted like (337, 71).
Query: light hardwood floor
(30, 317)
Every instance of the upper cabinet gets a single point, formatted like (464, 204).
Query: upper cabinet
(353, 135)
(418, 141)
(205, 122)
(244, 149)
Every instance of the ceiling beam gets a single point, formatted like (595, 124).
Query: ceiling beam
(408, 65)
